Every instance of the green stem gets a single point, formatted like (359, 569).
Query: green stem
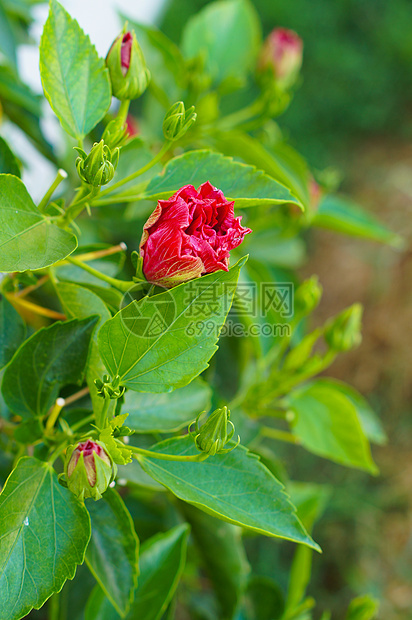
(85, 195)
(54, 414)
(237, 118)
(123, 111)
(81, 423)
(131, 177)
(275, 433)
(61, 175)
(54, 607)
(103, 414)
(122, 285)
(168, 457)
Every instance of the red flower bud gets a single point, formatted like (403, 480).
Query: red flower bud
(89, 469)
(189, 235)
(282, 55)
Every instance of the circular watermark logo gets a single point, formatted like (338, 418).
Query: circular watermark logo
(148, 316)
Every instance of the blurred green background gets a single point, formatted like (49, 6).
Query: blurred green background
(352, 111)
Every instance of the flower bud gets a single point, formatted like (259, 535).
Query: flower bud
(213, 435)
(177, 121)
(115, 134)
(281, 57)
(89, 469)
(307, 296)
(98, 167)
(127, 67)
(343, 332)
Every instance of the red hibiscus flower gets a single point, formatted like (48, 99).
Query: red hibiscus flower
(189, 235)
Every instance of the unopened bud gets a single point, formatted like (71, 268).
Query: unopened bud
(127, 67)
(215, 433)
(343, 332)
(281, 57)
(178, 120)
(98, 167)
(89, 469)
(307, 296)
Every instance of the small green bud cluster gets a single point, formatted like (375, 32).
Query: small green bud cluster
(212, 437)
(307, 296)
(343, 332)
(178, 120)
(98, 167)
(109, 389)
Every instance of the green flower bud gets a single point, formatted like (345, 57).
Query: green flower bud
(177, 121)
(98, 167)
(127, 67)
(109, 389)
(213, 435)
(343, 332)
(307, 296)
(89, 469)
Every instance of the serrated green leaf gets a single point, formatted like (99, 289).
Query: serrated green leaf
(235, 487)
(166, 413)
(147, 343)
(226, 35)
(113, 551)
(240, 182)
(12, 331)
(343, 215)
(8, 162)
(78, 302)
(53, 357)
(327, 424)
(162, 561)
(44, 531)
(28, 240)
(75, 80)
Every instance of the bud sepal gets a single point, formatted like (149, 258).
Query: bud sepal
(212, 436)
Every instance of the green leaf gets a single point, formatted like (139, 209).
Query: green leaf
(342, 215)
(113, 551)
(8, 162)
(222, 553)
(370, 422)
(12, 331)
(281, 161)
(266, 598)
(166, 413)
(226, 35)
(53, 357)
(327, 424)
(234, 487)
(75, 80)
(162, 562)
(148, 343)
(7, 38)
(28, 240)
(44, 531)
(245, 184)
(78, 302)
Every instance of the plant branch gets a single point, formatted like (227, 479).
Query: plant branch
(61, 175)
(122, 285)
(196, 458)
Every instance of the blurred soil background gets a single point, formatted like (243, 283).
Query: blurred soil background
(353, 111)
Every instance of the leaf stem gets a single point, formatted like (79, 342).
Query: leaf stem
(54, 607)
(29, 305)
(122, 285)
(196, 458)
(275, 433)
(61, 175)
(78, 425)
(131, 177)
(33, 287)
